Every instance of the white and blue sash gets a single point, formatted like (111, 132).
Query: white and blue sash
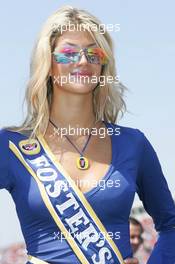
(68, 206)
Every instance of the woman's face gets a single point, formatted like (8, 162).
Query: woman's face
(74, 77)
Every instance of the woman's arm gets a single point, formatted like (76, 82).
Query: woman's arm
(5, 179)
(158, 202)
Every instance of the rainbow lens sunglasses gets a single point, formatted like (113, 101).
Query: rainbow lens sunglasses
(73, 55)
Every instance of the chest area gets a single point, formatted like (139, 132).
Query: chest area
(97, 156)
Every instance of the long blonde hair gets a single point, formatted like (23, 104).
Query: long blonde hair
(107, 102)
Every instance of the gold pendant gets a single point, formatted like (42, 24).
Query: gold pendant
(82, 163)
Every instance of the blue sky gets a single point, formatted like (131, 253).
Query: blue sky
(145, 55)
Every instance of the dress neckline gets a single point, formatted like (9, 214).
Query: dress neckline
(53, 157)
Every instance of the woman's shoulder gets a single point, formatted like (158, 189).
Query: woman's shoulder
(6, 177)
(3, 135)
(127, 131)
(128, 139)
(7, 134)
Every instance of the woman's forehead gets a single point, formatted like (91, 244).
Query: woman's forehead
(72, 45)
(76, 39)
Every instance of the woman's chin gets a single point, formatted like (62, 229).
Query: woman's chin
(79, 88)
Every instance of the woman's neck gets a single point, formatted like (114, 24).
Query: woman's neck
(73, 110)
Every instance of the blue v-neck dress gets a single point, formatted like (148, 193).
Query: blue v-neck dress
(134, 168)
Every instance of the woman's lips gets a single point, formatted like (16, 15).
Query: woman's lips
(82, 73)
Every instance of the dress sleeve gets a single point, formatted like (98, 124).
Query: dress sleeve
(5, 181)
(153, 190)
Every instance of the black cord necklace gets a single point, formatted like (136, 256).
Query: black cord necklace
(82, 162)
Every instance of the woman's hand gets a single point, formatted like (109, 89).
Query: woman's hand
(131, 261)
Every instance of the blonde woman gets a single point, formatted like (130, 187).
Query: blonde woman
(73, 172)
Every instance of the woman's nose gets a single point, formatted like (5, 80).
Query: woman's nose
(83, 59)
